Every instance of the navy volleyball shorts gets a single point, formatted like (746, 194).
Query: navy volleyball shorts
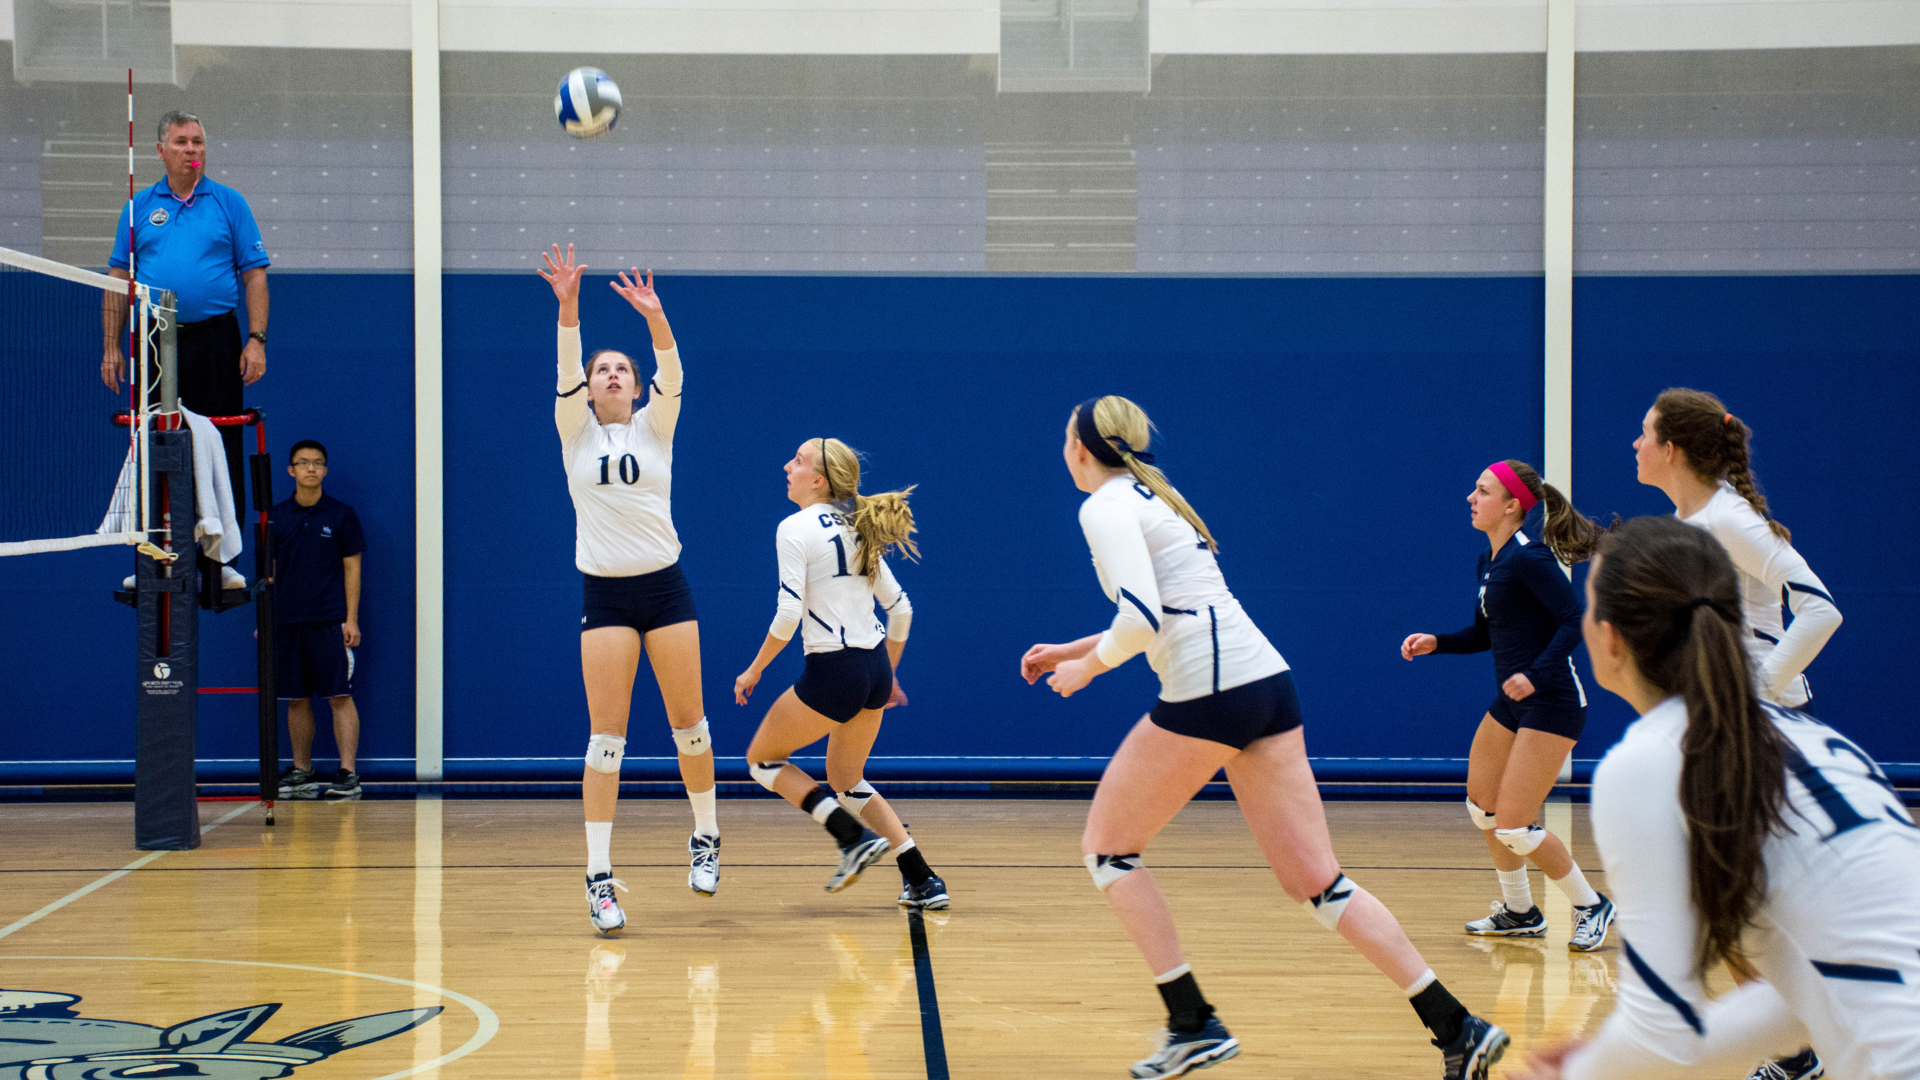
(1236, 717)
(311, 660)
(1563, 718)
(644, 602)
(839, 685)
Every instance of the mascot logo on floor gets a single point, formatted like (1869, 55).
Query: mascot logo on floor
(43, 1038)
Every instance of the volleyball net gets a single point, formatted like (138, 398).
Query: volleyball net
(69, 477)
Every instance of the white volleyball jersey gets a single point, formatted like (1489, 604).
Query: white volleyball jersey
(1837, 939)
(1172, 600)
(1772, 574)
(620, 475)
(822, 591)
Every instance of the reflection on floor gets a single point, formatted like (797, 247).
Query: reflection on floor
(379, 912)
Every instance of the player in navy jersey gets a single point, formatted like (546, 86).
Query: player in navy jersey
(1226, 701)
(619, 463)
(1735, 830)
(1529, 616)
(833, 570)
(1697, 452)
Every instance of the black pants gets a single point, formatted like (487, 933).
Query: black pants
(208, 369)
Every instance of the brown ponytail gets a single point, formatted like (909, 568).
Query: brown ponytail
(1568, 533)
(881, 521)
(1671, 592)
(1717, 443)
(1118, 419)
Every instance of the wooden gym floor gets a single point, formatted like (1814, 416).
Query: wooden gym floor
(352, 910)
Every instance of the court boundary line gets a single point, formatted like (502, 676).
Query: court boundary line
(28, 920)
(932, 1040)
(489, 1021)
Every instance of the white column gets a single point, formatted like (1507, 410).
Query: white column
(1557, 248)
(429, 547)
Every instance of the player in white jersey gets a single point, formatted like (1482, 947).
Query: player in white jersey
(1226, 700)
(833, 570)
(1528, 615)
(619, 464)
(1697, 452)
(1736, 830)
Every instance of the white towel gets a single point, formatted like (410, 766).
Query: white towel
(215, 526)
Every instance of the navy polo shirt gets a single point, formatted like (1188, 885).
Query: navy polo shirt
(309, 544)
(196, 246)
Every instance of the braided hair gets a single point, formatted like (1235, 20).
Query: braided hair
(1717, 443)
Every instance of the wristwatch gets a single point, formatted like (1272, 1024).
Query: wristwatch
(259, 336)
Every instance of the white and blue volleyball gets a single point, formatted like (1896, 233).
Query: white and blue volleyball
(587, 103)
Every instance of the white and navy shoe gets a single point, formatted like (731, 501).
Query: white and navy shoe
(855, 860)
(1590, 925)
(1182, 1052)
(1504, 923)
(1804, 1065)
(704, 853)
(929, 895)
(1479, 1047)
(602, 907)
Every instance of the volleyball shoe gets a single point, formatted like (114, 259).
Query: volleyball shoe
(602, 908)
(1478, 1048)
(1504, 923)
(703, 853)
(856, 857)
(1181, 1052)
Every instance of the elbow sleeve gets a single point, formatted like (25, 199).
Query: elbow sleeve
(783, 625)
(667, 374)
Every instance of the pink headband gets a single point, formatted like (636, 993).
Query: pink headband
(1514, 487)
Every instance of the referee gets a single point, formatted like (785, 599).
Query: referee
(197, 238)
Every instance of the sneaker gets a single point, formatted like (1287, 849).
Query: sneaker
(704, 877)
(854, 860)
(929, 894)
(1590, 925)
(602, 908)
(1804, 1065)
(1479, 1046)
(1504, 923)
(298, 783)
(1181, 1052)
(345, 787)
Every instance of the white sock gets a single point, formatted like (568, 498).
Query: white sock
(706, 818)
(904, 848)
(1515, 890)
(1576, 887)
(1168, 976)
(599, 847)
(1425, 980)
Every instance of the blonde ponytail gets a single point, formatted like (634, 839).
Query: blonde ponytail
(1125, 430)
(881, 521)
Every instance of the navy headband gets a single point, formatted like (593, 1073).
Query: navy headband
(1106, 449)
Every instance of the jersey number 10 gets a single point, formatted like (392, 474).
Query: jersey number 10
(629, 469)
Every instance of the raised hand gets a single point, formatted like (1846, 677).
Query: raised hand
(563, 274)
(638, 291)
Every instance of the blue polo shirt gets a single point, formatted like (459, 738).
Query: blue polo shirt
(196, 246)
(309, 544)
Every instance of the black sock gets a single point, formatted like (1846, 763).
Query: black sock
(1440, 1011)
(846, 828)
(913, 866)
(1187, 1011)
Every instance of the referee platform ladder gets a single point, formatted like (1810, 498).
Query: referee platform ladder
(169, 590)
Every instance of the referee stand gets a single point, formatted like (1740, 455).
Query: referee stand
(172, 582)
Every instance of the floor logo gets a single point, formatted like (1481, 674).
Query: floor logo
(42, 1037)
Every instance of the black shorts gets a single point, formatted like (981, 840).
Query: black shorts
(1563, 718)
(311, 660)
(1236, 717)
(645, 602)
(841, 684)
(207, 362)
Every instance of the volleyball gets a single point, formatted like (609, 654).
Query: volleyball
(587, 103)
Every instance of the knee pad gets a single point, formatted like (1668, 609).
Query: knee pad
(856, 797)
(693, 741)
(1107, 869)
(604, 753)
(1481, 819)
(1332, 902)
(766, 772)
(1521, 841)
